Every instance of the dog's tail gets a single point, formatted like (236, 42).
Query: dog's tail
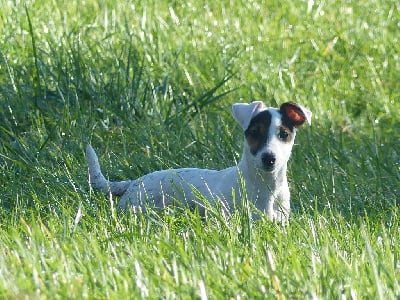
(97, 178)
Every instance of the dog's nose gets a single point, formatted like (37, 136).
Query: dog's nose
(268, 160)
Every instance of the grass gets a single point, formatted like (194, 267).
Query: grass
(150, 84)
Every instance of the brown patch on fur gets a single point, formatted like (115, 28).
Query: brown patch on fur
(257, 132)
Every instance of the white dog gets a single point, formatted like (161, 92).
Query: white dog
(269, 137)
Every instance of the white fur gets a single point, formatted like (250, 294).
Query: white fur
(243, 112)
(267, 190)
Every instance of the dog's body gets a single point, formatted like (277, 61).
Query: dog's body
(269, 138)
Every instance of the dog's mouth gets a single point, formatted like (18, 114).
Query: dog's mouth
(268, 168)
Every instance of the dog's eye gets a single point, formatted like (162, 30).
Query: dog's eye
(283, 134)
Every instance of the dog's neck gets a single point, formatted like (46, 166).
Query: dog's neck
(264, 188)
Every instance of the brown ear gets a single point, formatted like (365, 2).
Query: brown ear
(295, 113)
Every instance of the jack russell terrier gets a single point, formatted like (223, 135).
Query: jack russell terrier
(260, 175)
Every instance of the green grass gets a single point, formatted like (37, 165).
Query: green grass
(150, 84)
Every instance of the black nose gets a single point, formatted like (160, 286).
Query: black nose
(268, 160)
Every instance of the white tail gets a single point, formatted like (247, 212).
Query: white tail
(97, 178)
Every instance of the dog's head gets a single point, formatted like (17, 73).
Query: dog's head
(270, 132)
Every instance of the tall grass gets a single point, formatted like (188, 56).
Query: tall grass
(150, 84)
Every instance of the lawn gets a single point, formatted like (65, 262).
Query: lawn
(150, 85)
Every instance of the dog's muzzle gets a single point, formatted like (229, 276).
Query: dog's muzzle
(268, 160)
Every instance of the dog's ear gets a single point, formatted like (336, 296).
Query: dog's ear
(243, 112)
(296, 113)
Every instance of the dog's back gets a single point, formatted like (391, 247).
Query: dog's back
(187, 185)
(190, 186)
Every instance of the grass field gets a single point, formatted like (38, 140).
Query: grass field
(150, 85)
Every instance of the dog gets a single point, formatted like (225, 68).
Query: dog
(260, 175)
